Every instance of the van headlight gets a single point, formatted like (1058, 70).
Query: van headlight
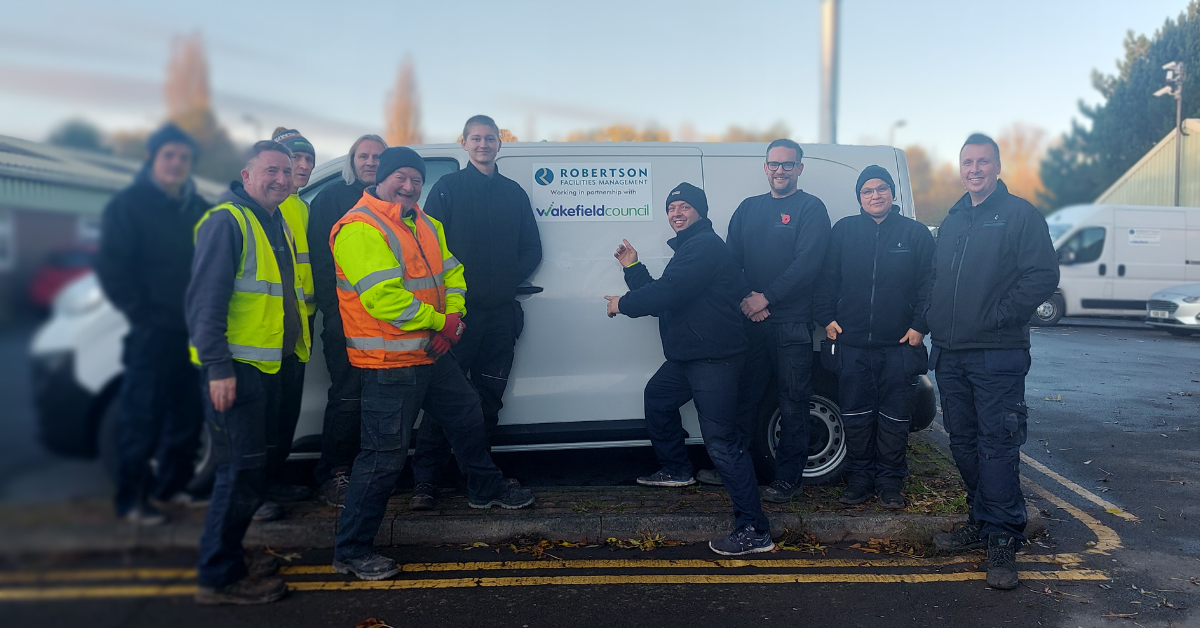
(1190, 299)
(79, 297)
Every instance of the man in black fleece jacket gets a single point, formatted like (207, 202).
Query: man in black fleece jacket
(994, 264)
(779, 240)
(144, 267)
(340, 432)
(490, 229)
(696, 302)
(871, 299)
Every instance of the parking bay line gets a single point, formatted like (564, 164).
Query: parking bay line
(1106, 537)
(149, 573)
(141, 591)
(1108, 506)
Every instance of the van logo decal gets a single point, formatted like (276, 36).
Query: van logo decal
(544, 176)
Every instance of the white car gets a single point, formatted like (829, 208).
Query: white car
(572, 384)
(1176, 309)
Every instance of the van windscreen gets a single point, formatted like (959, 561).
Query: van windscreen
(1057, 229)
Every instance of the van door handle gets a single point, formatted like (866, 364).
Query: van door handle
(1103, 269)
(529, 289)
(1121, 270)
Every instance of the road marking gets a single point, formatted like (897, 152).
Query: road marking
(1108, 506)
(1106, 537)
(133, 573)
(126, 591)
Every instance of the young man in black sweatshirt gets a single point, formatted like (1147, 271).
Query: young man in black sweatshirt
(778, 239)
(871, 299)
(144, 266)
(340, 432)
(993, 266)
(490, 229)
(697, 304)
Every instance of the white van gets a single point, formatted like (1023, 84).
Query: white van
(1113, 257)
(578, 376)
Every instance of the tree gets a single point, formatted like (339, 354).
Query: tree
(79, 134)
(1021, 150)
(189, 105)
(935, 188)
(403, 113)
(1130, 120)
(738, 134)
(621, 133)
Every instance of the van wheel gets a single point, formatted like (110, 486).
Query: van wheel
(1048, 313)
(110, 459)
(1186, 333)
(826, 442)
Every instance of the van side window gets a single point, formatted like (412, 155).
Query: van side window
(1085, 246)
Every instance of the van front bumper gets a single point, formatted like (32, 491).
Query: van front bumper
(64, 408)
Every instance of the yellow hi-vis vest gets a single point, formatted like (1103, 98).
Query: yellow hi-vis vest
(254, 326)
(295, 213)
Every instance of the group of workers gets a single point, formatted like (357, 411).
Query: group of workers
(419, 313)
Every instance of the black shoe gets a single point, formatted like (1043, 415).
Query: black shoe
(424, 497)
(261, 566)
(373, 566)
(511, 499)
(333, 490)
(288, 493)
(269, 511)
(244, 591)
(1002, 562)
(891, 499)
(744, 540)
(855, 494)
(709, 476)
(779, 492)
(964, 537)
(662, 478)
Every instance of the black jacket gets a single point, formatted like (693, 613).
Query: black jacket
(326, 209)
(780, 244)
(994, 265)
(218, 253)
(490, 229)
(876, 279)
(697, 299)
(145, 257)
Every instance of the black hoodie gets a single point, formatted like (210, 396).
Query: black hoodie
(330, 204)
(145, 257)
(876, 279)
(697, 299)
(993, 266)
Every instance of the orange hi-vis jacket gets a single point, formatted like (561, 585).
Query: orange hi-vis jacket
(396, 281)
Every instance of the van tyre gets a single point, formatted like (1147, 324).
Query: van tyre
(1048, 313)
(826, 441)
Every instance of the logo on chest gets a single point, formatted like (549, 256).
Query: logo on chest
(899, 247)
(785, 219)
(995, 221)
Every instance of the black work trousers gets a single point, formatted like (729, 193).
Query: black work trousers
(783, 350)
(343, 422)
(878, 388)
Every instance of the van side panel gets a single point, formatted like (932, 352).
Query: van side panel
(1151, 246)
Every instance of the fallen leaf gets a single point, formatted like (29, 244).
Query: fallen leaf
(371, 622)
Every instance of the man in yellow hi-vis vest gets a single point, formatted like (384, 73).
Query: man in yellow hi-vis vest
(402, 297)
(246, 323)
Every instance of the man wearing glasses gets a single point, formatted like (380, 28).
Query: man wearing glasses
(778, 239)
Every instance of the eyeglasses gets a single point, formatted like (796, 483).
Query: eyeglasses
(869, 192)
(787, 166)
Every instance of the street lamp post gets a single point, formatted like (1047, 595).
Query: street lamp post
(1174, 87)
(892, 131)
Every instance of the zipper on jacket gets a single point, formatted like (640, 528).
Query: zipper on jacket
(958, 274)
(874, 267)
(422, 252)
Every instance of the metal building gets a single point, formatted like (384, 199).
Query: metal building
(1151, 181)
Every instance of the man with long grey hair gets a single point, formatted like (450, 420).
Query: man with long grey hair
(340, 438)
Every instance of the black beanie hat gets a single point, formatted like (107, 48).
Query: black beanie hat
(690, 194)
(397, 157)
(165, 135)
(873, 172)
(295, 142)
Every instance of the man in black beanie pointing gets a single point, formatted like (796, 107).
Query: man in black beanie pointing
(696, 301)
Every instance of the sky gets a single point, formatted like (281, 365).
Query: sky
(543, 69)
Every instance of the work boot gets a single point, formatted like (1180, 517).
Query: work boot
(744, 540)
(891, 499)
(424, 497)
(779, 492)
(269, 511)
(333, 490)
(709, 476)
(144, 515)
(663, 478)
(183, 499)
(855, 494)
(373, 566)
(261, 566)
(1002, 562)
(964, 537)
(512, 498)
(288, 493)
(244, 591)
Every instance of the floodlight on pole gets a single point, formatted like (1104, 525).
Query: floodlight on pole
(1174, 87)
(892, 131)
